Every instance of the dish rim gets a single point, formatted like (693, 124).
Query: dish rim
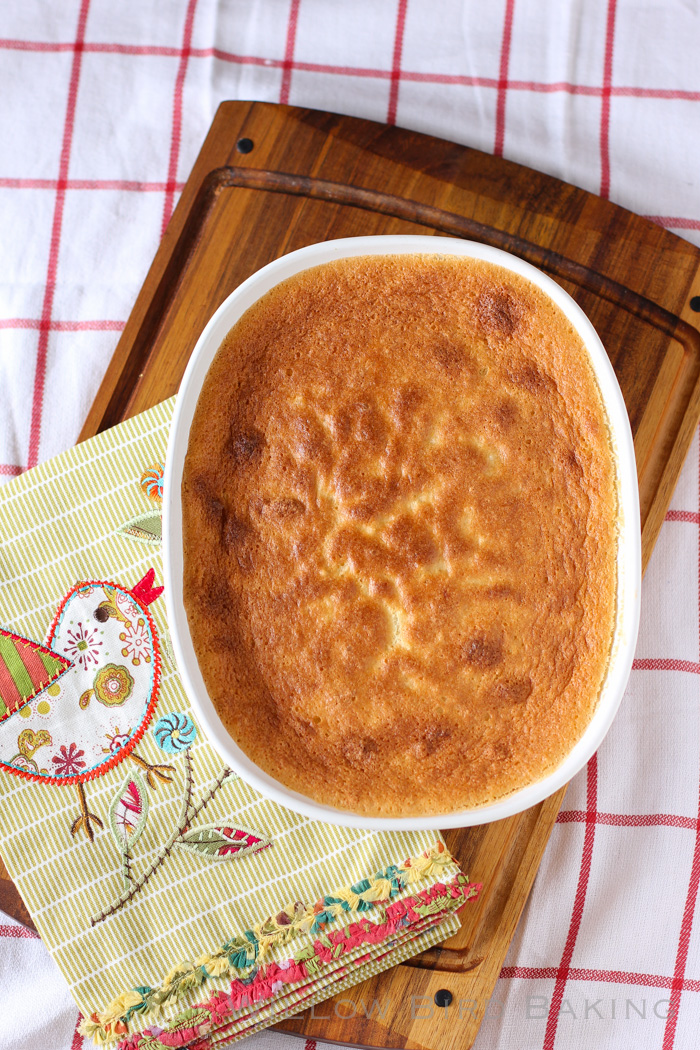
(629, 555)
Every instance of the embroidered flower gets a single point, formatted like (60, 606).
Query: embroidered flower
(41, 706)
(69, 762)
(83, 646)
(113, 685)
(116, 741)
(138, 642)
(152, 482)
(87, 590)
(174, 732)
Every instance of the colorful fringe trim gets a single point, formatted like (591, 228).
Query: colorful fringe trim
(241, 957)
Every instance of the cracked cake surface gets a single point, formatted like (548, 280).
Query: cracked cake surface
(399, 527)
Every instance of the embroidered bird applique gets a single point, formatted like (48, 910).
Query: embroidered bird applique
(75, 707)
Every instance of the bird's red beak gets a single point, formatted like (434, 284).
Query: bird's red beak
(144, 590)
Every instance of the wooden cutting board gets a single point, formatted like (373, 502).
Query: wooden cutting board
(270, 179)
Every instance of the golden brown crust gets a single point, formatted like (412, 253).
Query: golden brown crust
(399, 508)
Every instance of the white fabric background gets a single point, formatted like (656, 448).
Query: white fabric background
(96, 142)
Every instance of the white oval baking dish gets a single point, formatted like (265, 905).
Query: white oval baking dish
(628, 555)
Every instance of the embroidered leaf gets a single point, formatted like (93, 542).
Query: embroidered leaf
(222, 843)
(129, 811)
(146, 528)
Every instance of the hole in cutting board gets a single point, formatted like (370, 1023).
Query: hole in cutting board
(443, 997)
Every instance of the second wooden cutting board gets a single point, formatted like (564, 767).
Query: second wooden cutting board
(305, 176)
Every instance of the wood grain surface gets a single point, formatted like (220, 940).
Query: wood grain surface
(311, 176)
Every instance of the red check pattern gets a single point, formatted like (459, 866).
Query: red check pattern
(503, 79)
(605, 102)
(56, 226)
(104, 108)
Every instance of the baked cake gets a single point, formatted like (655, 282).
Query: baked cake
(399, 513)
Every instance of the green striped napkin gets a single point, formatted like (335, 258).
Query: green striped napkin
(181, 906)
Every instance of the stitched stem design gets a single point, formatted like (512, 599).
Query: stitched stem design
(187, 797)
(188, 813)
(174, 733)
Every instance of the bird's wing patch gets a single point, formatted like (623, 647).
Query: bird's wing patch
(26, 668)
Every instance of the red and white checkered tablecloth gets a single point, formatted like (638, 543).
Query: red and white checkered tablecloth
(103, 108)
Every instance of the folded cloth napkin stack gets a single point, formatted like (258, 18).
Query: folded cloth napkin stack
(182, 907)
